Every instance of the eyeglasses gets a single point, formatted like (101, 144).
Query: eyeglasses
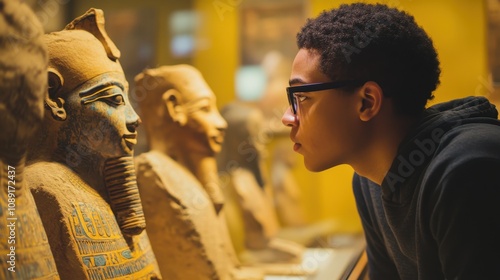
(315, 87)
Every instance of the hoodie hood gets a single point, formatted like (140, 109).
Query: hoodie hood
(419, 147)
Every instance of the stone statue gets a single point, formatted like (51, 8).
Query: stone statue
(24, 249)
(81, 169)
(178, 180)
(241, 168)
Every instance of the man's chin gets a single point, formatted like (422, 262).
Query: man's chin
(314, 166)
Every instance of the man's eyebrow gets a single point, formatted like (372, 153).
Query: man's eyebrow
(100, 87)
(296, 81)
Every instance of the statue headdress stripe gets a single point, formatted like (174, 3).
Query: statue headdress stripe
(93, 22)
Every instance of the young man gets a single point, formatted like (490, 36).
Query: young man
(427, 180)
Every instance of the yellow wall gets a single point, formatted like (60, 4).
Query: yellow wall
(218, 47)
(456, 27)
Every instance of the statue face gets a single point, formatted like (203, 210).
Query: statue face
(205, 124)
(100, 118)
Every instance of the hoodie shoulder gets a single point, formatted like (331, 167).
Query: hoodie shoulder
(465, 145)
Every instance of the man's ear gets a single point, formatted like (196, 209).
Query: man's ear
(52, 102)
(371, 100)
(175, 107)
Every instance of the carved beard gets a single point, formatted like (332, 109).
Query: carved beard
(121, 183)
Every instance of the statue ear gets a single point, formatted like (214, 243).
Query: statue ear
(175, 108)
(52, 102)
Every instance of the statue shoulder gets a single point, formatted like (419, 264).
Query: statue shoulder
(52, 177)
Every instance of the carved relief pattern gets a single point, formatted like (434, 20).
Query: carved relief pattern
(24, 248)
(101, 246)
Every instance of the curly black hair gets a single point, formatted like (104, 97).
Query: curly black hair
(373, 42)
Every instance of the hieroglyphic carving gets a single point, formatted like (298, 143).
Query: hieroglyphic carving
(24, 248)
(102, 248)
(98, 250)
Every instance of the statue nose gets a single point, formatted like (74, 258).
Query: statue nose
(132, 126)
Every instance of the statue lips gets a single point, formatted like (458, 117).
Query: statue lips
(218, 138)
(130, 140)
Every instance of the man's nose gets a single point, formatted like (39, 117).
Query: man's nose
(288, 118)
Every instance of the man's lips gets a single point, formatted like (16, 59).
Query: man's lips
(296, 146)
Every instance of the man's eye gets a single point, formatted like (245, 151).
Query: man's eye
(300, 98)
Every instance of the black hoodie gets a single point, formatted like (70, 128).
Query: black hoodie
(437, 213)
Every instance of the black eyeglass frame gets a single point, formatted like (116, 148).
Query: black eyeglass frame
(290, 91)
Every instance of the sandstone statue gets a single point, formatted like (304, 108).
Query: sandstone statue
(177, 178)
(81, 169)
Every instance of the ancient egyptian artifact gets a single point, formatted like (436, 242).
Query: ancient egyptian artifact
(81, 170)
(177, 178)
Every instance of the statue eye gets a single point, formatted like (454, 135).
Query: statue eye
(205, 109)
(114, 99)
(117, 100)
(112, 95)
